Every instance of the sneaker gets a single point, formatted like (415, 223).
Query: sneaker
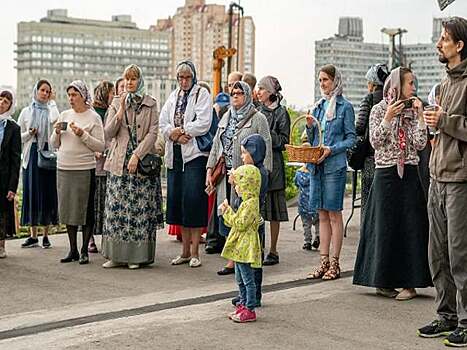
(435, 329)
(457, 339)
(45, 242)
(271, 259)
(2, 253)
(244, 316)
(315, 244)
(195, 262)
(133, 266)
(239, 308)
(307, 246)
(180, 260)
(30, 243)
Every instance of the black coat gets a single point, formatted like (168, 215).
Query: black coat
(362, 122)
(10, 163)
(279, 126)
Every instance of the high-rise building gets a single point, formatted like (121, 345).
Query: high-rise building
(61, 49)
(348, 52)
(197, 29)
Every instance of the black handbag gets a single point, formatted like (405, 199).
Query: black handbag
(47, 160)
(150, 164)
(357, 154)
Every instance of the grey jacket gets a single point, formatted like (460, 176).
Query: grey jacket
(258, 124)
(448, 162)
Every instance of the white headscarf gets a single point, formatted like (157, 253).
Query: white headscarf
(337, 88)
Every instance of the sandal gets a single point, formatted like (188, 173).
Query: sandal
(334, 271)
(321, 270)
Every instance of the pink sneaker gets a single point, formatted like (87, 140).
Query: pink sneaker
(238, 308)
(245, 315)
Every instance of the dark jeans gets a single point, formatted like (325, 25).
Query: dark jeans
(245, 277)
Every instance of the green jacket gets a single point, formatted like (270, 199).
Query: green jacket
(243, 243)
(448, 162)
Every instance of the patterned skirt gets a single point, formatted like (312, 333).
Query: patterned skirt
(133, 212)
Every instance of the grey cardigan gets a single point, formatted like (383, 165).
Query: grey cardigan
(258, 124)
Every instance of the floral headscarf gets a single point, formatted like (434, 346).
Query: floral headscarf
(337, 88)
(83, 90)
(377, 74)
(391, 93)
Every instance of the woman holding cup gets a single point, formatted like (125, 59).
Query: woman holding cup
(78, 135)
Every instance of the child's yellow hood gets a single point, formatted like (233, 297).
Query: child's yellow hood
(248, 179)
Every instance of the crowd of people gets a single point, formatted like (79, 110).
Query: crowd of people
(98, 166)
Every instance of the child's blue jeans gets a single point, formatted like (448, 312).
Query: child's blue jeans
(245, 276)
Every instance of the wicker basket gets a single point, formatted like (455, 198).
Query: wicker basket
(304, 154)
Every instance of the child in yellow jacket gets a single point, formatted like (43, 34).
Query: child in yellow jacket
(243, 245)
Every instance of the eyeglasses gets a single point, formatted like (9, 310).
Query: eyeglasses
(239, 93)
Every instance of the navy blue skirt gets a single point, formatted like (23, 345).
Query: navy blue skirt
(40, 204)
(187, 203)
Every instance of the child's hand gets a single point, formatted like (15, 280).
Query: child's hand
(224, 206)
(231, 179)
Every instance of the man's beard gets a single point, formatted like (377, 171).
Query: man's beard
(442, 58)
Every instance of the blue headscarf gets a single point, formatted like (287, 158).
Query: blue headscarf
(256, 146)
(40, 117)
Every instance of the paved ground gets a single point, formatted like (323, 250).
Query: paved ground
(48, 305)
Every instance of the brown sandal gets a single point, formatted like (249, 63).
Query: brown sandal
(334, 270)
(320, 271)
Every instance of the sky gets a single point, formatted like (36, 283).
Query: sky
(285, 30)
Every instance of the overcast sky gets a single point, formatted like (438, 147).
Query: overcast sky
(285, 30)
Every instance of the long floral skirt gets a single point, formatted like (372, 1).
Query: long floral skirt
(133, 212)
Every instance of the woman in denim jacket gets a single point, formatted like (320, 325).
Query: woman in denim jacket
(336, 119)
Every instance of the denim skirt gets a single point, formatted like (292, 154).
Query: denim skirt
(327, 190)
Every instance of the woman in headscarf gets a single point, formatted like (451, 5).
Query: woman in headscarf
(376, 76)
(336, 121)
(278, 118)
(103, 95)
(393, 248)
(78, 135)
(239, 122)
(186, 114)
(10, 163)
(133, 206)
(39, 207)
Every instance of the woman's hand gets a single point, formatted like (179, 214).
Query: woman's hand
(58, 128)
(326, 153)
(133, 164)
(33, 131)
(394, 109)
(121, 109)
(52, 95)
(309, 121)
(10, 196)
(175, 134)
(98, 155)
(418, 107)
(209, 178)
(432, 117)
(184, 139)
(76, 129)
